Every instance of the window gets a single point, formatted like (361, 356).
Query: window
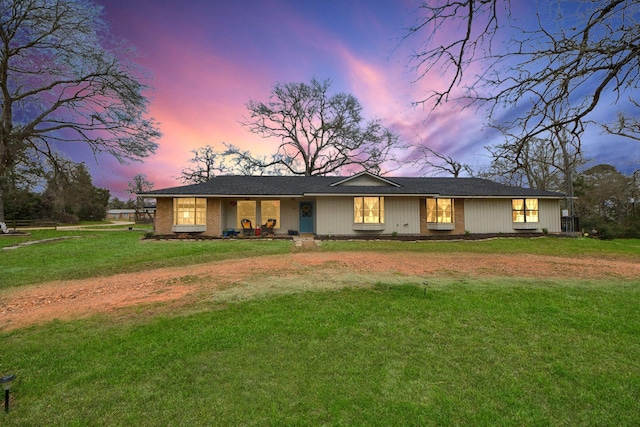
(246, 210)
(440, 211)
(270, 209)
(189, 211)
(525, 210)
(368, 210)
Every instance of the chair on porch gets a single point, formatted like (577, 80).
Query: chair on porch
(268, 227)
(247, 227)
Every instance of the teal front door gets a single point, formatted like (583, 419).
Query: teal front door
(306, 217)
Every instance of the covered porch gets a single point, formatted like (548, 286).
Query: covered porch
(292, 215)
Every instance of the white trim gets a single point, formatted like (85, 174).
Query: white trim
(354, 194)
(221, 196)
(368, 226)
(441, 226)
(526, 225)
(369, 174)
(186, 228)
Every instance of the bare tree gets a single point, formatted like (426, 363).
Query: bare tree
(568, 57)
(242, 162)
(206, 162)
(318, 133)
(543, 163)
(431, 162)
(64, 80)
(140, 184)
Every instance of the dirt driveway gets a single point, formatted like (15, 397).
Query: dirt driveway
(156, 290)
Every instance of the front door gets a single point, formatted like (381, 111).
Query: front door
(306, 217)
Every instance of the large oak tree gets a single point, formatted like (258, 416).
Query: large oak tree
(64, 79)
(536, 66)
(317, 133)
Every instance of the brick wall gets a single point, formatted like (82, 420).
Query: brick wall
(214, 220)
(458, 218)
(164, 215)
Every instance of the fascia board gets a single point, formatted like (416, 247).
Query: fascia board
(356, 194)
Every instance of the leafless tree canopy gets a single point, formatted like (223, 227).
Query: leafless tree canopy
(139, 184)
(431, 162)
(204, 165)
(555, 66)
(317, 133)
(63, 80)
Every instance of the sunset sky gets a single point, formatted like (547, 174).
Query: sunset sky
(207, 59)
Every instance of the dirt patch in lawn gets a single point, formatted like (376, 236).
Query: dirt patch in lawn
(156, 290)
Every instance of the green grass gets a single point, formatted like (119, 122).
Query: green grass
(101, 253)
(88, 253)
(485, 353)
(458, 351)
(555, 246)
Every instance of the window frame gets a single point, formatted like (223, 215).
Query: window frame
(360, 210)
(527, 212)
(438, 213)
(264, 218)
(253, 218)
(198, 211)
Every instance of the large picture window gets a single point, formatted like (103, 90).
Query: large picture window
(524, 210)
(440, 211)
(246, 210)
(189, 211)
(368, 210)
(270, 209)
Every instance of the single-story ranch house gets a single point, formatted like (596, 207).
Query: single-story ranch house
(362, 204)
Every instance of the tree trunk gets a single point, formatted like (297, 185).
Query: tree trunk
(1, 202)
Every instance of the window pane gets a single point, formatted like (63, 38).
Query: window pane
(189, 211)
(270, 209)
(445, 210)
(532, 210)
(246, 209)
(357, 209)
(201, 212)
(440, 210)
(183, 211)
(432, 210)
(368, 210)
(371, 210)
(517, 206)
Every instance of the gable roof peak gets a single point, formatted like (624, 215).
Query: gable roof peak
(368, 176)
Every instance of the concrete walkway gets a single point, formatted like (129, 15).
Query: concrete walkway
(305, 240)
(88, 227)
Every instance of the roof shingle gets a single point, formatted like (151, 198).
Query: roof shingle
(270, 186)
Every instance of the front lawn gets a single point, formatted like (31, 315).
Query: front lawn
(91, 253)
(458, 350)
(78, 254)
(474, 353)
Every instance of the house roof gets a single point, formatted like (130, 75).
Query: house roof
(300, 186)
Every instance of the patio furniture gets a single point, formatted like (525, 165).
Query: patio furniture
(247, 227)
(268, 227)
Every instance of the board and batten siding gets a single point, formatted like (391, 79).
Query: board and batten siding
(334, 216)
(494, 216)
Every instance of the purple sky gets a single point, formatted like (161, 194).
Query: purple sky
(208, 58)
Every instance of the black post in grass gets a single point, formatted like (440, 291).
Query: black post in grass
(6, 382)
